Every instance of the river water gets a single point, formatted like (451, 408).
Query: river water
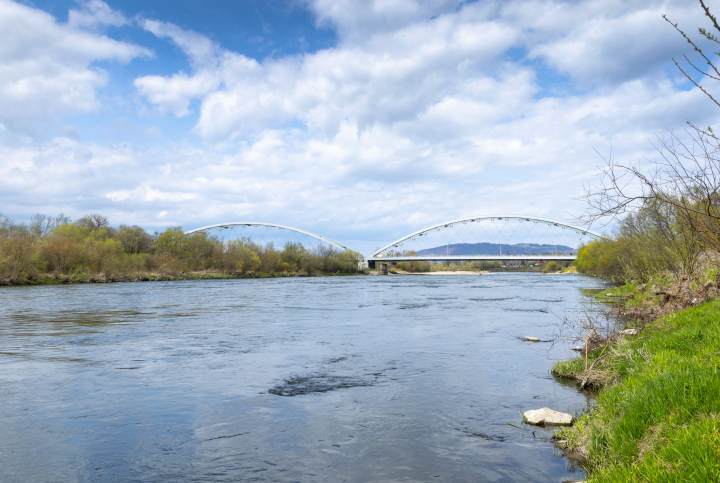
(396, 378)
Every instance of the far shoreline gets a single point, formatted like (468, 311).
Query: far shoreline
(450, 272)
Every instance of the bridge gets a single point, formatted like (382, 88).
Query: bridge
(268, 234)
(493, 237)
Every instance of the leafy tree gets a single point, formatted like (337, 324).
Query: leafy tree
(269, 258)
(19, 258)
(196, 249)
(170, 242)
(103, 256)
(134, 240)
(292, 254)
(62, 253)
(551, 266)
(348, 260)
(241, 257)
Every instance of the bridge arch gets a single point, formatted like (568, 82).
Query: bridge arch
(384, 251)
(234, 224)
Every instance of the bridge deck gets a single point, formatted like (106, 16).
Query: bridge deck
(459, 258)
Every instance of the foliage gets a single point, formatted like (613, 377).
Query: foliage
(653, 240)
(551, 266)
(18, 257)
(134, 239)
(90, 246)
(485, 265)
(414, 266)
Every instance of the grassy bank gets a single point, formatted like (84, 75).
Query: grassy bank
(658, 416)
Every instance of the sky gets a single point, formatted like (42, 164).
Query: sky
(361, 120)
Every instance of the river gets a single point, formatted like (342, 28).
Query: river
(394, 378)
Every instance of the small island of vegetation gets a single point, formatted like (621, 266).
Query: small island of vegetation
(57, 250)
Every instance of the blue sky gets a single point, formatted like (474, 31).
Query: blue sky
(360, 120)
(256, 28)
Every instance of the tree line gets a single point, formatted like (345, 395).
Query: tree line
(91, 246)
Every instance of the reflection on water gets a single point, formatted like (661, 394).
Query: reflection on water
(358, 379)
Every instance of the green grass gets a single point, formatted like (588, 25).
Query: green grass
(660, 422)
(568, 369)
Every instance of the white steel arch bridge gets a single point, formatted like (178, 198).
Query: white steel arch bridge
(264, 232)
(492, 237)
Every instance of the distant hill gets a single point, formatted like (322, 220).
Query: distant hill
(468, 249)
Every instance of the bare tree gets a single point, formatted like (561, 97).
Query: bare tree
(684, 179)
(40, 225)
(94, 221)
(61, 219)
(6, 223)
(712, 72)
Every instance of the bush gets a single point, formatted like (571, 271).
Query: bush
(646, 243)
(551, 266)
(62, 253)
(19, 257)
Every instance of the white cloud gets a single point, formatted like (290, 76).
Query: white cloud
(356, 20)
(603, 42)
(394, 76)
(200, 50)
(175, 93)
(147, 193)
(46, 68)
(94, 13)
(422, 113)
(373, 184)
(152, 132)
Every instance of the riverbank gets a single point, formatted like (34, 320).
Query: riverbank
(657, 415)
(453, 272)
(78, 278)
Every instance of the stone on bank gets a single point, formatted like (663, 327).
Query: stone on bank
(546, 416)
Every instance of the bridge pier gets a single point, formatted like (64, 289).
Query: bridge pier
(382, 267)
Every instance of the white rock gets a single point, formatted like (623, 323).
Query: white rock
(630, 332)
(531, 339)
(541, 417)
(577, 348)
